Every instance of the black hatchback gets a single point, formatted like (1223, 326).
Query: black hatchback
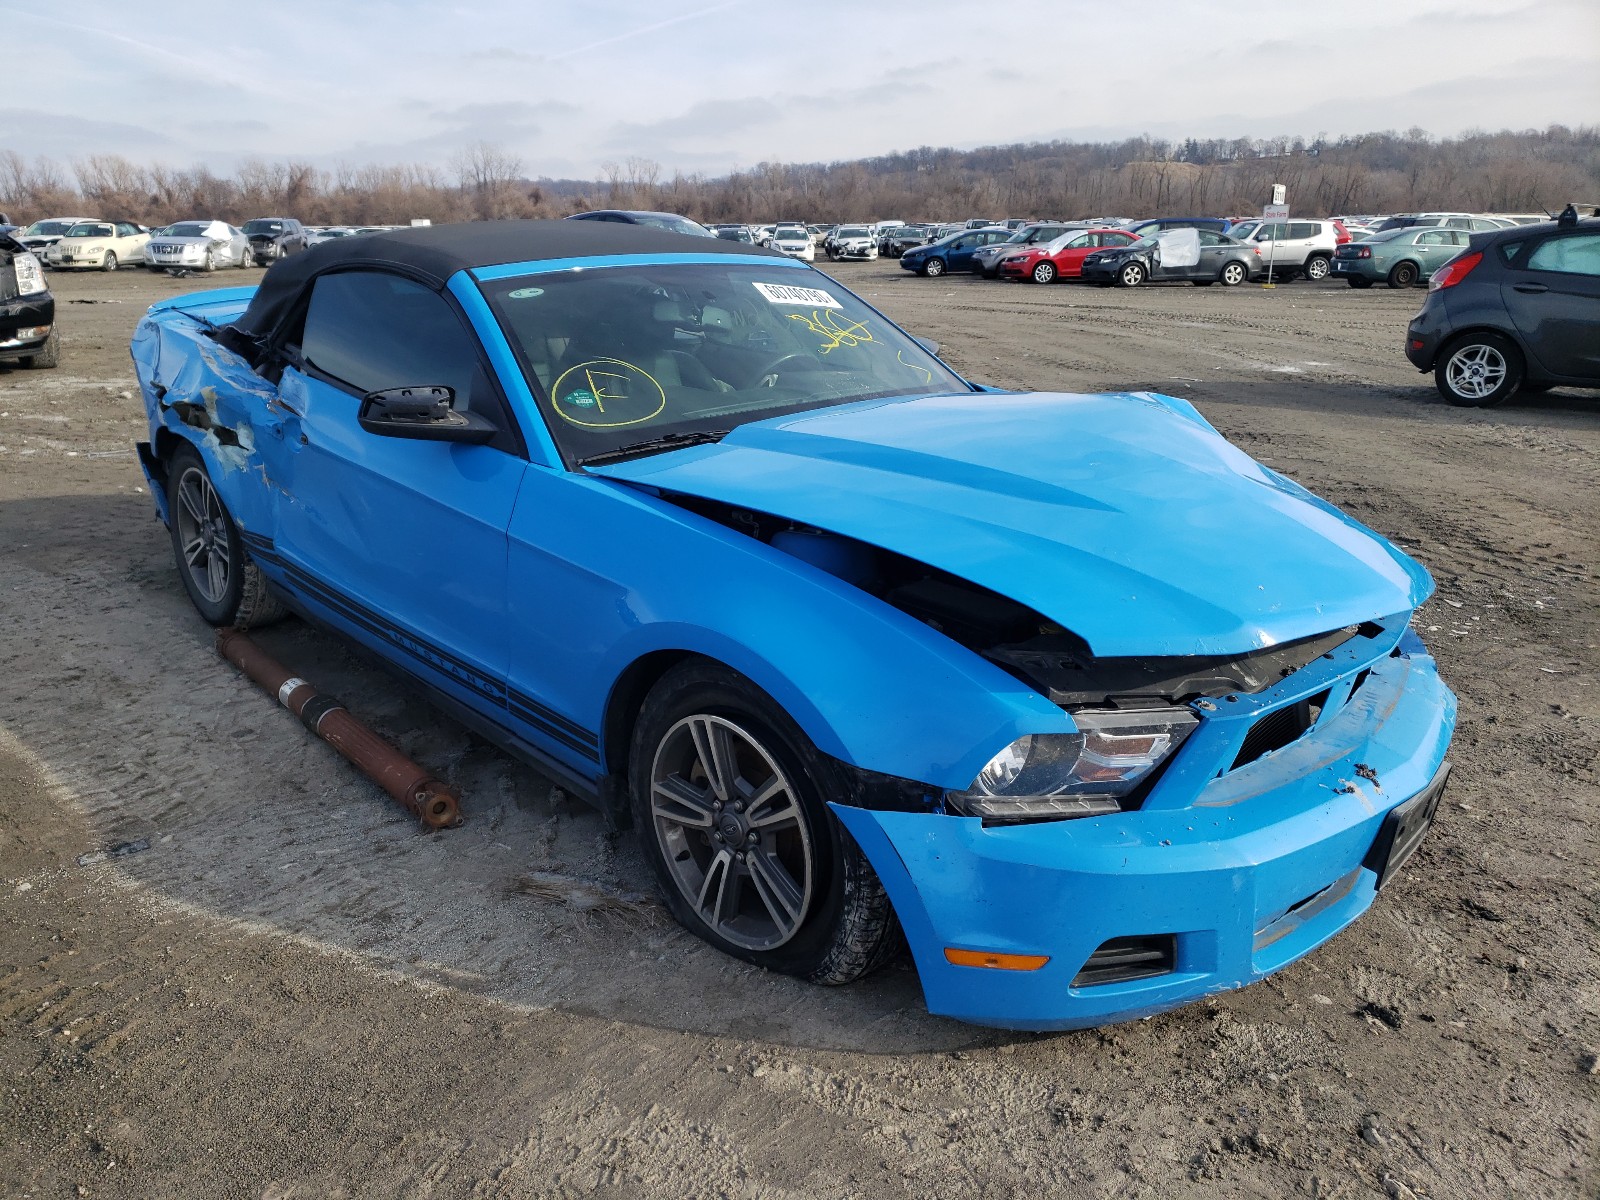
(1519, 309)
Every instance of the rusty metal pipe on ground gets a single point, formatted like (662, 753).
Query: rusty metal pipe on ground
(435, 803)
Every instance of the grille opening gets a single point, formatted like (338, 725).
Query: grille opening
(1359, 680)
(1279, 728)
(1125, 958)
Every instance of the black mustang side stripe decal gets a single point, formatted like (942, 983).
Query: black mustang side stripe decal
(524, 707)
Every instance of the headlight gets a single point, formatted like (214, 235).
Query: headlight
(93, 249)
(30, 275)
(1052, 776)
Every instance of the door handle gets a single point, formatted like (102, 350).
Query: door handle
(1531, 289)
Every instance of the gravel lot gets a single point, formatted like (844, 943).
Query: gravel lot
(292, 993)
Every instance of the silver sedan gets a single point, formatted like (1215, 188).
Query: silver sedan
(198, 246)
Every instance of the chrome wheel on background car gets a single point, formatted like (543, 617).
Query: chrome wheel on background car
(109, 262)
(1317, 268)
(1131, 275)
(934, 266)
(1233, 274)
(1045, 272)
(731, 833)
(1481, 370)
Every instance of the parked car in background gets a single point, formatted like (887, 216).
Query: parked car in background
(1293, 247)
(953, 253)
(42, 234)
(793, 240)
(327, 233)
(734, 233)
(1518, 310)
(980, 223)
(197, 246)
(1216, 224)
(905, 237)
(272, 238)
(1062, 257)
(28, 334)
(99, 246)
(1401, 258)
(819, 233)
(1221, 259)
(852, 241)
(986, 259)
(671, 222)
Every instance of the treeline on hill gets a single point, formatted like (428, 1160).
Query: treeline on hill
(1373, 173)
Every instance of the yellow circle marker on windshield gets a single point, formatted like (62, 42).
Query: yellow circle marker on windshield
(607, 393)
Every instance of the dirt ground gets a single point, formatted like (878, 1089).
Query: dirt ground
(281, 989)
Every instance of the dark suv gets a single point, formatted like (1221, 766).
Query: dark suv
(27, 309)
(272, 238)
(1519, 308)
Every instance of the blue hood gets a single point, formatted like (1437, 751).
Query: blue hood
(1124, 518)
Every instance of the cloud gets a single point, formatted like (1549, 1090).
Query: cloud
(61, 135)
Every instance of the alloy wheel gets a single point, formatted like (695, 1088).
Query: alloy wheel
(1475, 371)
(203, 535)
(731, 832)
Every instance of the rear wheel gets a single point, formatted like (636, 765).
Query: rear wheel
(1131, 275)
(1233, 274)
(1045, 272)
(1478, 371)
(109, 262)
(729, 798)
(1317, 268)
(934, 267)
(224, 585)
(1403, 275)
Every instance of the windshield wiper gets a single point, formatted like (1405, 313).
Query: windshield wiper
(667, 441)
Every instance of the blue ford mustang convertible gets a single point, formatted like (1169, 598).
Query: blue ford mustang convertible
(1104, 715)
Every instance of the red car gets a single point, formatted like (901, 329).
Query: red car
(1062, 258)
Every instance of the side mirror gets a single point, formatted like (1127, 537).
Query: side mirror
(928, 344)
(424, 413)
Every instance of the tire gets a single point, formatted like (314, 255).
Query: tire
(933, 268)
(1317, 268)
(248, 258)
(1044, 272)
(1403, 275)
(1131, 275)
(109, 262)
(231, 592)
(1233, 274)
(1478, 370)
(210, 263)
(47, 356)
(831, 925)
(1360, 282)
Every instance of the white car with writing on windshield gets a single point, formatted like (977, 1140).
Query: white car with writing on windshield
(795, 241)
(854, 241)
(99, 246)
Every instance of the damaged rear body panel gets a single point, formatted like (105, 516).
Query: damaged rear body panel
(951, 592)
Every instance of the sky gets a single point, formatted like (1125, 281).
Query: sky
(712, 87)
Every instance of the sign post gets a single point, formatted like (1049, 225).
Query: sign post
(1277, 211)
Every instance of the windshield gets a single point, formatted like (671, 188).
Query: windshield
(792, 235)
(91, 229)
(850, 231)
(672, 224)
(263, 226)
(625, 354)
(186, 229)
(46, 229)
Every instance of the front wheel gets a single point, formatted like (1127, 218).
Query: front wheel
(1317, 268)
(1233, 274)
(1045, 272)
(1131, 275)
(224, 585)
(729, 798)
(109, 262)
(1480, 370)
(47, 355)
(934, 268)
(210, 263)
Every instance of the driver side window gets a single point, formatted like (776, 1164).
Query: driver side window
(368, 331)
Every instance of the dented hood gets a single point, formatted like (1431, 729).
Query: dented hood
(1125, 518)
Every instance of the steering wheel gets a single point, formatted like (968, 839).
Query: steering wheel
(768, 375)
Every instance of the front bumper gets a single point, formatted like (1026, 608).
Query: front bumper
(1100, 272)
(1254, 869)
(27, 312)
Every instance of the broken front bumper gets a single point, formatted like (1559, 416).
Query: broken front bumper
(1261, 866)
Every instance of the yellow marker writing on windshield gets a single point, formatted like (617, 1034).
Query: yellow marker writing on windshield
(834, 334)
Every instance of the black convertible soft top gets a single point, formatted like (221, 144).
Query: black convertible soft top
(433, 253)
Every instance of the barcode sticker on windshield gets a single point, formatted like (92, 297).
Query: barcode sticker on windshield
(782, 293)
